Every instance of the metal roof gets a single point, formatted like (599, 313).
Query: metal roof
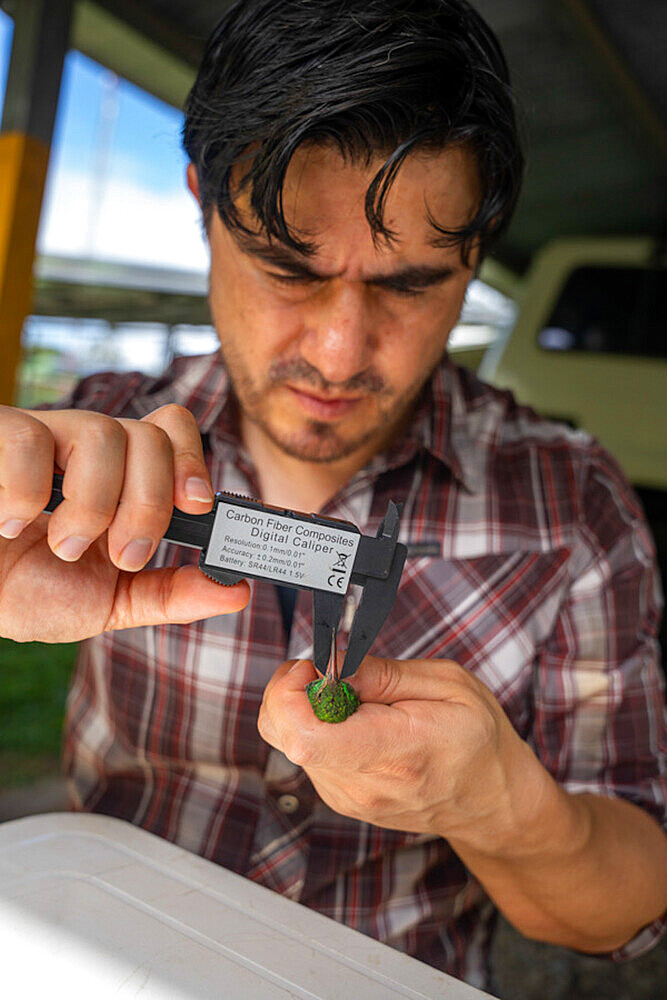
(590, 77)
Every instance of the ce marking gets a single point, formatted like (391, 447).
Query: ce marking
(338, 570)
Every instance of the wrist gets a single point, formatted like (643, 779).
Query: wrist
(533, 817)
(553, 825)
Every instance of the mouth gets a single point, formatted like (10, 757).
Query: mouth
(324, 408)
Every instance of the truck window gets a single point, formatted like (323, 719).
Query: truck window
(610, 310)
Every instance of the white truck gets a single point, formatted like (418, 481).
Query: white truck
(589, 347)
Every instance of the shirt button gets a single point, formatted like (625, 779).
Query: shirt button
(288, 803)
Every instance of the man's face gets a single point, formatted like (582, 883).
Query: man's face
(328, 352)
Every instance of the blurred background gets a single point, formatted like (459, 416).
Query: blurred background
(103, 267)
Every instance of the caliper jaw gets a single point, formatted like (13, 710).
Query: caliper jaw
(377, 567)
(379, 591)
(327, 610)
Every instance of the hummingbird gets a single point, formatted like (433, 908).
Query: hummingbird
(333, 700)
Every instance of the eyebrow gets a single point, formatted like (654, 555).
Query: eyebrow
(412, 276)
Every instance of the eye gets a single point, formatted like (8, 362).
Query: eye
(292, 279)
(405, 293)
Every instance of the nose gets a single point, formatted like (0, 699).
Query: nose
(338, 336)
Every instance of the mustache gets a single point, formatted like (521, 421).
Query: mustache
(299, 370)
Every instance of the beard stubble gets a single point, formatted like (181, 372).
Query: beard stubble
(319, 442)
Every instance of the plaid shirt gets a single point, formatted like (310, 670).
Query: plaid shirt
(530, 565)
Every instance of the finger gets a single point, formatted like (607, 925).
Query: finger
(304, 672)
(285, 701)
(145, 504)
(305, 665)
(181, 595)
(90, 448)
(26, 469)
(301, 667)
(192, 484)
(386, 681)
(287, 721)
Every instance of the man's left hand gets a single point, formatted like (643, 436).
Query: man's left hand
(429, 751)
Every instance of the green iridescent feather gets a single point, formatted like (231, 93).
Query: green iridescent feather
(332, 700)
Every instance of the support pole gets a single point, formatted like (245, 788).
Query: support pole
(41, 31)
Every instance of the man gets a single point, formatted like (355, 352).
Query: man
(354, 162)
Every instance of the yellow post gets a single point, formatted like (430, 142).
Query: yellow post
(41, 31)
(23, 164)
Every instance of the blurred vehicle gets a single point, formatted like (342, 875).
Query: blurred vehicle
(589, 348)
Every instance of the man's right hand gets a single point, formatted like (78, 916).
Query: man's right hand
(79, 571)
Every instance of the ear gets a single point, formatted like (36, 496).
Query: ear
(193, 181)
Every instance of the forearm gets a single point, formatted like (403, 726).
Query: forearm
(431, 751)
(587, 873)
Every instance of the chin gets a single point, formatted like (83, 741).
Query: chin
(327, 448)
(316, 442)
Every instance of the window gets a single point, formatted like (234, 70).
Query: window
(610, 310)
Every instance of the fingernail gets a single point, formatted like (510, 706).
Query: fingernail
(71, 548)
(295, 666)
(136, 553)
(198, 489)
(12, 528)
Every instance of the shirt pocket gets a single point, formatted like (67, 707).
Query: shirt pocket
(489, 613)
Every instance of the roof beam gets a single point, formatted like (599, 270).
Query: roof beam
(160, 27)
(131, 54)
(638, 106)
(38, 49)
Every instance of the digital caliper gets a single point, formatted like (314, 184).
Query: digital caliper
(243, 538)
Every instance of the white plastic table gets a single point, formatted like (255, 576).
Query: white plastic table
(92, 907)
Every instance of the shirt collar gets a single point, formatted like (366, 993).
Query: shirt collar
(202, 385)
(448, 426)
(440, 425)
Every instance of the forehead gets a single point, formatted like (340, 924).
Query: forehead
(324, 198)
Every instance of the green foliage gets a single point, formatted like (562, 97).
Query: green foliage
(34, 678)
(42, 376)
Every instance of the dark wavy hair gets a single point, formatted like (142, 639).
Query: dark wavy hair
(375, 78)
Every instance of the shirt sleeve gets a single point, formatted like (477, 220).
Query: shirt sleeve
(599, 722)
(104, 392)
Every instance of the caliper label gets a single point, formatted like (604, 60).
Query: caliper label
(280, 548)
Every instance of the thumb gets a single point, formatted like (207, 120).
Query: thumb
(385, 681)
(179, 595)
